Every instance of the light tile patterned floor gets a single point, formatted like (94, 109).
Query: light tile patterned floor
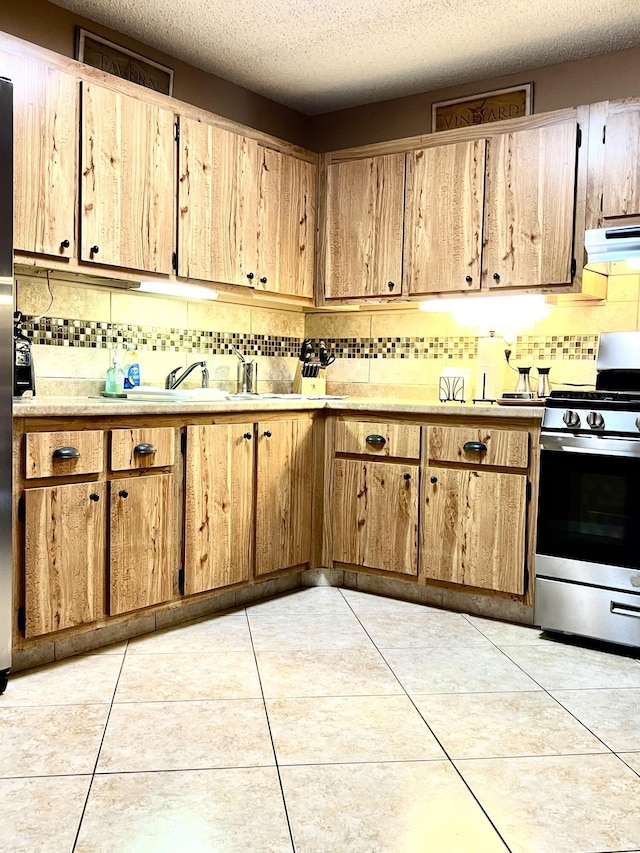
(325, 721)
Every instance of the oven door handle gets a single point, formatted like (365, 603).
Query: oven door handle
(560, 442)
(620, 609)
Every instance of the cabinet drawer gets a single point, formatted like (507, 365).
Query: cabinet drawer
(378, 439)
(142, 448)
(60, 454)
(502, 447)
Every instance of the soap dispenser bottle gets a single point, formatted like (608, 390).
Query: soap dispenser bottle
(114, 383)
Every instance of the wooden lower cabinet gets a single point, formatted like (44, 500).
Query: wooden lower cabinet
(284, 483)
(375, 515)
(219, 514)
(474, 528)
(142, 553)
(65, 535)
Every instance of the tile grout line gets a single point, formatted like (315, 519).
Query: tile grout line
(273, 746)
(448, 757)
(95, 766)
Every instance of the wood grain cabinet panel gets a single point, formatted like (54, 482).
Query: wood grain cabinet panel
(473, 528)
(365, 203)
(530, 206)
(284, 494)
(45, 115)
(621, 190)
(443, 218)
(43, 457)
(286, 226)
(217, 203)
(127, 181)
(401, 440)
(142, 552)
(375, 515)
(65, 556)
(219, 512)
(504, 448)
(142, 448)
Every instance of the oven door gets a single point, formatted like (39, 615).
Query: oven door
(589, 502)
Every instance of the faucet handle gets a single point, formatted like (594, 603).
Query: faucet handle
(205, 375)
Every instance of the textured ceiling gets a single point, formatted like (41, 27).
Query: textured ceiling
(321, 56)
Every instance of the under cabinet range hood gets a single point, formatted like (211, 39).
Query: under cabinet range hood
(612, 244)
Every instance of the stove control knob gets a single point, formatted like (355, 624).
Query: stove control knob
(571, 419)
(638, 422)
(595, 420)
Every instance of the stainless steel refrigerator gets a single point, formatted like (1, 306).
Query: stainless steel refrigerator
(6, 371)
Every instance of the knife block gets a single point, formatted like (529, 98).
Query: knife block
(307, 385)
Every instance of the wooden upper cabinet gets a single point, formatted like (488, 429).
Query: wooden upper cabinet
(127, 198)
(443, 218)
(45, 110)
(621, 189)
(364, 214)
(286, 224)
(217, 203)
(530, 206)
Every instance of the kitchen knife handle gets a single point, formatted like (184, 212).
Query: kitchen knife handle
(66, 453)
(475, 447)
(377, 442)
(145, 449)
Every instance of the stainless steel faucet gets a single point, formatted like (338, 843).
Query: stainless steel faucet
(173, 380)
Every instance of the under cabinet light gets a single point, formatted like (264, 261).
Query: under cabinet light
(500, 313)
(172, 288)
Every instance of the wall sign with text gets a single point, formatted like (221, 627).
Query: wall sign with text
(103, 54)
(482, 109)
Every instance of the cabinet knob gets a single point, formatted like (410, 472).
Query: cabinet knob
(496, 276)
(263, 280)
(468, 279)
(433, 479)
(93, 497)
(94, 250)
(475, 447)
(123, 493)
(248, 436)
(391, 285)
(377, 442)
(66, 453)
(65, 244)
(267, 433)
(407, 476)
(144, 449)
(250, 276)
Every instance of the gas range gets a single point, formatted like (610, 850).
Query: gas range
(601, 412)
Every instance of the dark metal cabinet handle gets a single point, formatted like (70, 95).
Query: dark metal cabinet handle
(407, 476)
(145, 449)
(250, 276)
(65, 244)
(433, 479)
(391, 285)
(496, 276)
(263, 280)
(248, 436)
(267, 433)
(94, 497)
(123, 493)
(66, 453)
(468, 279)
(377, 442)
(94, 250)
(475, 447)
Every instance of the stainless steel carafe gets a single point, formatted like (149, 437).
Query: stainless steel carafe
(544, 386)
(524, 382)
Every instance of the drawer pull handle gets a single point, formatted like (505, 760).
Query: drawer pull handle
(377, 442)
(145, 449)
(94, 497)
(475, 447)
(123, 493)
(619, 609)
(66, 453)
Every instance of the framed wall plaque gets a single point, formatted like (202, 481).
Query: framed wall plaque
(104, 54)
(482, 109)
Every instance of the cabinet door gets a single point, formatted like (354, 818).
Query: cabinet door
(621, 190)
(530, 207)
(143, 523)
(219, 515)
(218, 203)
(375, 515)
(65, 556)
(365, 201)
(286, 224)
(45, 115)
(284, 494)
(127, 186)
(443, 218)
(473, 528)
